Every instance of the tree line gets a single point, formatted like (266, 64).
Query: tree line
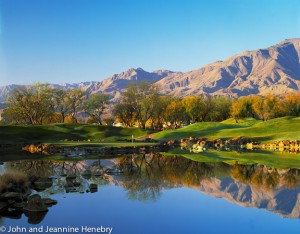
(141, 104)
(42, 104)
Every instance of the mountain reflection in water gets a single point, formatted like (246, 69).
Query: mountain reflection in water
(145, 176)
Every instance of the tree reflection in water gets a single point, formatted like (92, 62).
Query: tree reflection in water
(266, 178)
(144, 178)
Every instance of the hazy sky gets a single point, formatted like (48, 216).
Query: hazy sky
(59, 41)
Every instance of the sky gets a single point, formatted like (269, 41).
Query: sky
(57, 41)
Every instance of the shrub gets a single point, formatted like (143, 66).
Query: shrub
(16, 178)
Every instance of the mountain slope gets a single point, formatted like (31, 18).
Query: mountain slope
(272, 70)
(113, 85)
(275, 69)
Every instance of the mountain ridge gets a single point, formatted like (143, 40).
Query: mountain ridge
(275, 69)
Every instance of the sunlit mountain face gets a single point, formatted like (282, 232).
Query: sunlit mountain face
(275, 70)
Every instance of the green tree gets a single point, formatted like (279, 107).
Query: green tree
(30, 105)
(206, 108)
(124, 112)
(242, 108)
(96, 105)
(60, 99)
(221, 110)
(137, 103)
(74, 102)
(159, 117)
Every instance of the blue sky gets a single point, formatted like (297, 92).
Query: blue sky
(59, 41)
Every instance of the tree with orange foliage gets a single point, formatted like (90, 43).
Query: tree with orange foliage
(174, 113)
(291, 104)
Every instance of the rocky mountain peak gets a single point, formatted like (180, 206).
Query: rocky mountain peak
(275, 69)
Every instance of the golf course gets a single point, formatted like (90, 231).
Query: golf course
(91, 135)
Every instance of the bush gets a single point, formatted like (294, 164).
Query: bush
(17, 178)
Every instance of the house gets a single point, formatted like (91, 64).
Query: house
(1, 115)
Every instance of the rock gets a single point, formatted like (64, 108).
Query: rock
(35, 204)
(87, 174)
(14, 188)
(93, 188)
(11, 209)
(71, 190)
(69, 184)
(3, 206)
(49, 201)
(42, 184)
(19, 205)
(76, 184)
(71, 177)
(249, 146)
(12, 196)
(33, 178)
(35, 217)
(27, 193)
(113, 171)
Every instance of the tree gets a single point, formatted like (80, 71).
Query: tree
(193, 105)
(30, 105)
(291, 104)
(148, 95)
(137, 104)
(242, 108)
(206, 108)
(96, 105)
(159, 117)
(60, 99)
(260, 107)
(124, 113)
(74, 102)
(272, 106)
(221, 110)
(175, 112)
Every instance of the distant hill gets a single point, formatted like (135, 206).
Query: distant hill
(275, 69)
(272, 70)
(113, 85)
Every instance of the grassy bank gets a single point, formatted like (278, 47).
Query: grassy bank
(280, 160)
(285, 128)
(56, 133)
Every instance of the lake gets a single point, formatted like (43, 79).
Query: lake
(158, 194)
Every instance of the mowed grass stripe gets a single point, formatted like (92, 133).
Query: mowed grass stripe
(285, 128)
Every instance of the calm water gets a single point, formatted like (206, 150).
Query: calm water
(159, 194)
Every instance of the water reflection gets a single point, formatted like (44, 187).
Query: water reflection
(144, 177)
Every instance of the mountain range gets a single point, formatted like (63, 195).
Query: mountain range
(275, 69)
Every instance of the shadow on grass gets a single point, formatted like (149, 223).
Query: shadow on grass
(60, 132)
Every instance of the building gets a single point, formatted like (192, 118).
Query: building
(1, 115)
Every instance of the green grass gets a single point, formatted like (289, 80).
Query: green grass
(285, 128)
(103, 144)
(280, 160)
(75, 132)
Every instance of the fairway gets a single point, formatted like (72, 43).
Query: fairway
(285, 128)
(54, 133)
